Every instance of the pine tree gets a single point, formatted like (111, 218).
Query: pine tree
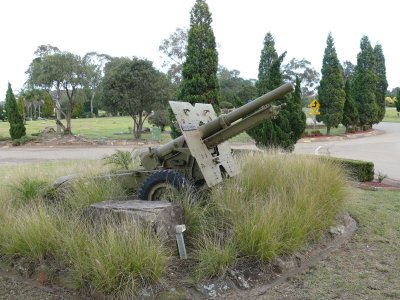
(364, 84)
(331, 93)
(48, 106)
(381, 83)
(199, 74)
(286, 129)
(17, 128)
(350, 113)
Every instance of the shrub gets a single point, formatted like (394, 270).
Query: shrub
(22, 140)
(357, 169)
(159, 118)
(120, 159)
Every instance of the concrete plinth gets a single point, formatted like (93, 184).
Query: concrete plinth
(161, 216)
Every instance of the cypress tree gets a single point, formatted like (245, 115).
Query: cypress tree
(364, 84)
(350, 113)
(21, 109)
(331, 93)
(286, 129)
(381, 82)
(48, 106)
(199, 74)
(17, 128)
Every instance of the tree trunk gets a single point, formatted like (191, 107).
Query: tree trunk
(328, 130)
(58, 110)
(91, 104)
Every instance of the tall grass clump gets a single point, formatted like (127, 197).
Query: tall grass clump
(113, 258)
(279, 202)
(29, 233)
(28, 188)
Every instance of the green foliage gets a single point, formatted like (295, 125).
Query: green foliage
(364, 84)
(199, 75)
(48, 106)
(350, 113)
(381, 82)
(23, 140)
(307, 75)
(397, 102)
(120, 159)
(331, 93)
(357, 169)
(17, 128)
(20, 105)
(159, 118)
(28, 188)
(134, 86)
(286, 129)
(3, 116)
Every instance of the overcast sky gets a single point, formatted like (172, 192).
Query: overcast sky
(137, 27)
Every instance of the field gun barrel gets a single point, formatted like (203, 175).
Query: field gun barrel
(224, 121)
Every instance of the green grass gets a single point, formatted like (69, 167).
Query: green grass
(391, 115)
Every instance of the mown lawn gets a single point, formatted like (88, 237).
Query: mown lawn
(368, 267)
(391, 115)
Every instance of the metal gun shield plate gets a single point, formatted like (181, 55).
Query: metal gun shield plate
(210, 161)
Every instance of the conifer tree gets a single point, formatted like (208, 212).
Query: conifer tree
(350, 113)
(381, 82)
(331, 93)
(199, 82)
(48, 106)
(17, 128)
(364, 84)
(199, 75)
(2, 112)
(286, 129)
(21, 109)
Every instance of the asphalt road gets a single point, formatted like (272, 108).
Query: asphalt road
(382, 149)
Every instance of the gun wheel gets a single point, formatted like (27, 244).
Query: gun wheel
(164, 185)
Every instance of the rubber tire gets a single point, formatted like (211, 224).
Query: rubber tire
(172, 178)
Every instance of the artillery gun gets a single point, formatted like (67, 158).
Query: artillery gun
(200, 156)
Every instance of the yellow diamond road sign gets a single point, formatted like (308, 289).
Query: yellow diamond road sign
(314, 105)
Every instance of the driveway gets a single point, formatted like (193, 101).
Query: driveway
(383, 149)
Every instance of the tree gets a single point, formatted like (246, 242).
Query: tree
(199, 74)
(307, 75)
(135, 87)
(235, 89)
(62, 71)
(381, 82)
(350, 113)
(174, 50)
(21, 107)
(17, 128)
(159, 118)
(397, 102)
(331, 93)
(286, 129)
(348, 70)
(48, 106)
(364, 84)
(94, 64)
(2, 112)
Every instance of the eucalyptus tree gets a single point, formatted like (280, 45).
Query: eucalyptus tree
(62, 71)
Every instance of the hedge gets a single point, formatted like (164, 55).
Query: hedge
(358, 169)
